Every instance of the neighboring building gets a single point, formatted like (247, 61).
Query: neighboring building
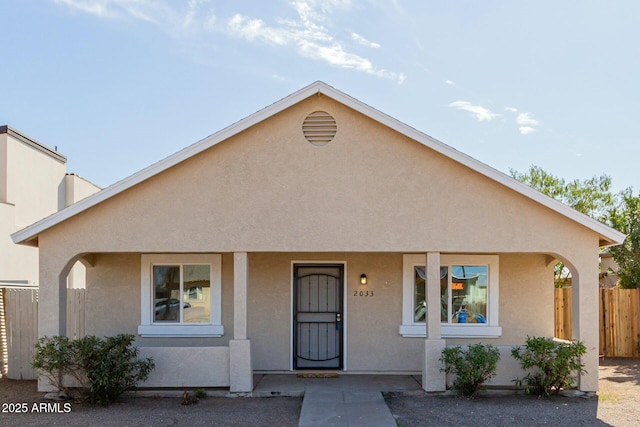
(608, 270)
(302, 237)
(33, 185)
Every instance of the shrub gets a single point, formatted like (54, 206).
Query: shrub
(105, 367)
(550, 364)
(471, 367)
(55, 358)
(112, 366)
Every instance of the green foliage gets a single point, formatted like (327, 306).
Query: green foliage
(471, 367)
(104, 367)
(112, 366)
(200, 393)
(56, 358)
(626, 218)
(591, 196)
(550, 364)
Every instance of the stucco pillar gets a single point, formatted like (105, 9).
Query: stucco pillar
(240, 286)
(585, 319)
(433, 378)
(240, 367)
(52, 306)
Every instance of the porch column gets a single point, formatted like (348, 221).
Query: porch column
(585, 319)
(433, 379)
(52, 306)
(240, 369)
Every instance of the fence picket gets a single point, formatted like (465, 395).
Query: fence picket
(619, 320)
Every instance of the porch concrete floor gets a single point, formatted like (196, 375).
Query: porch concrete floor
(266, 385)
(346, 400)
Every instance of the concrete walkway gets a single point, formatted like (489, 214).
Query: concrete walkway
(347, 400)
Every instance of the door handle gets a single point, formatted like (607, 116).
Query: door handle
(338, 322)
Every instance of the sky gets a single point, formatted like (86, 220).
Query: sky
(117, 85)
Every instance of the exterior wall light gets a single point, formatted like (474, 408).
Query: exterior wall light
(363, 279)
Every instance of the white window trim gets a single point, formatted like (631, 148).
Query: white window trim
(148, 328)
(492, 329)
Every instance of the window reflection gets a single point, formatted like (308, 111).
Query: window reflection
(182, 293)
(463, 294)
(166, 285)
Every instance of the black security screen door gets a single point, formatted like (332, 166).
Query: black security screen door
(317, 318)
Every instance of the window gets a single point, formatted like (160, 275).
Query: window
(181, 295)
(468, 296)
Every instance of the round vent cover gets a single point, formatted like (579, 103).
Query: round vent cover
(319, 128)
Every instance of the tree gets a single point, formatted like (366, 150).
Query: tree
(625, 217)
(592, 197)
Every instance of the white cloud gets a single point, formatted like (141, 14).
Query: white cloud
(310, 38)
(98, 8)
(526, 130)
(527, 119)
(450, 82)
(361, 40)
(252, 29)
(159, 12)
(307, 35)
(481, 114)
(526, 123)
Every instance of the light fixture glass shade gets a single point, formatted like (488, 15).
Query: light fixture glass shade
(363, 279)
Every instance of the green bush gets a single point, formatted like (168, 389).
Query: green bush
(56, 359)
(471, 367)
(104, 367)
(550, 363)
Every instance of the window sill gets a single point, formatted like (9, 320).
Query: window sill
(181, 330)
(453, 331)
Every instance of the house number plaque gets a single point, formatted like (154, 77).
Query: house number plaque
(366, 293)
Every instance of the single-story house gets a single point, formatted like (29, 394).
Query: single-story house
(319, 233)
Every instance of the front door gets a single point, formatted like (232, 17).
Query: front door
(317, 316)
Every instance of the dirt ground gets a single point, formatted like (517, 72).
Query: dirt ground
(617, 404)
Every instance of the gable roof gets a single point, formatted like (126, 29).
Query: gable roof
(29, 235)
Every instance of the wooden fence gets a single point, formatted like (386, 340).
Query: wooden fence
(619, 318)
(19, 328)
(21, 331)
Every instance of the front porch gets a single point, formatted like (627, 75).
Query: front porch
(254, 321)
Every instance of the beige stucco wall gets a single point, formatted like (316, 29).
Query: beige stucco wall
(31, 172)
(373, 343)
(113, 300)
(30, 181)
(373, 340)
(77, 188)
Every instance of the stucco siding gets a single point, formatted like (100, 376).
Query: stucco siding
(113, 300)
(373, 342)
(113, 295)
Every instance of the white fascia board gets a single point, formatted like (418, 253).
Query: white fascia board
(608, 235)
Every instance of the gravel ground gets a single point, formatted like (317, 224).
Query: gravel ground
(164, 411)
(617, 404)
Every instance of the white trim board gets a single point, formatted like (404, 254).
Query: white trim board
(29, 235)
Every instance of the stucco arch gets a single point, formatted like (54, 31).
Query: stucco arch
(583, 264)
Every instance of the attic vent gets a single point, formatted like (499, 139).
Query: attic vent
(319, 128)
